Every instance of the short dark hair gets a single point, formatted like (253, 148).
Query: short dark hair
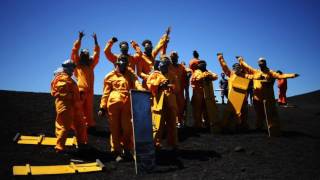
(123, 42)
(145, 42)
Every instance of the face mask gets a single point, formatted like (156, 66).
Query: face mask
(174, 60)
(124, 49)
(148, 50)
(202, 67)
(69, 71)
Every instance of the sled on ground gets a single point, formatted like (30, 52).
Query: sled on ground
(42, 140)
(58, 169)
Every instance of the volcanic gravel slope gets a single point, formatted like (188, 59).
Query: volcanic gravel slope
(252, 155)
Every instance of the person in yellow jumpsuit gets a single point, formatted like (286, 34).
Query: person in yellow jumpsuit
(147, 59)
(263, 90)
(180, 74)
(124, 48)
(198, 77)
(115, 103)
(240, 119)
(84, 73)
(158, 83)
(68, 107)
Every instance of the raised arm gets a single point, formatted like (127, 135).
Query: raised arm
(76, 47)
(165, 45)
(248, 68)
(162, 42)
(223, 64)
(96, 51)
(107, 50)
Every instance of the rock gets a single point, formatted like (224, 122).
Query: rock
(238, 149)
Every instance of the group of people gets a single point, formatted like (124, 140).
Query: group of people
(166, 79)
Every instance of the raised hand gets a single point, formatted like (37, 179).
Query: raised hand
(81, 34)
(94, 35)
(114, 39)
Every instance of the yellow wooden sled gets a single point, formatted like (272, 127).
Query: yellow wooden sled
(238, 93)
(58, 169)
(42, 140)
(156, 112)
(211, 106)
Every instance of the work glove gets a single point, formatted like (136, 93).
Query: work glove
(114, 39)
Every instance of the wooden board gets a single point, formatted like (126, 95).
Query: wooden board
(238, 93)
(42, 140)
(144, 151)
(58, 169)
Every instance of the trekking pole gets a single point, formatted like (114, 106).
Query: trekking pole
(265, 112)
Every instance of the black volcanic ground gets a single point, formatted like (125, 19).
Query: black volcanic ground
(295, 155)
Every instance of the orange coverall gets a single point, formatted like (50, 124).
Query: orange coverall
(198, 101)
(180, 74)
(282, 85)
(240, 118)
(69, 110)
(133, 60)
(116, 102)
(169, 110)
(263, 90)
(85, 77)
(145, 63)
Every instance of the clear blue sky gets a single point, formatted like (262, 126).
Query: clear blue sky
(37, 35)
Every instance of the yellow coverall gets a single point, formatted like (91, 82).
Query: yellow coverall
(133, 60)
(198, 101)
(180, 74)
(145, 63)
(263, 90)
(240, 118)
(169, 110)
(116, 102)
(85, 77)
(69, 110)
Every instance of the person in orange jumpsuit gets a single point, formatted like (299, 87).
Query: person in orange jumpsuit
(124, 48)
(68, 107)
(198, 77)
(193, 64)
(158, 83)
(240, 119)
(115, 102)
(282, 85)
(147, 59)
(263, 91)
(180, 74)
(84, 73)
